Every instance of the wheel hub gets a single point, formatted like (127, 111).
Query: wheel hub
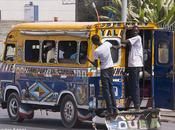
(13, 107)
(69, 111)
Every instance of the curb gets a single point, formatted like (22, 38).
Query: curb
(166, 120)
(172, 116)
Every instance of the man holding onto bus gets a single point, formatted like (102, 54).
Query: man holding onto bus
(103, 53)
(135, 63)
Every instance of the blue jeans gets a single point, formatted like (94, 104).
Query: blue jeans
(108, 93)
(133, 84)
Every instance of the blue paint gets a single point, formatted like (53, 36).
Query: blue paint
(163, 84)
(98, 90)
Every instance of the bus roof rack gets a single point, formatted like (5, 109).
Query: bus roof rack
(170, 27)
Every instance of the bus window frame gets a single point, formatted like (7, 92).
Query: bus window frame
(77, 60)
(5, 52)
(80, 43)
(57, 42)
(25, 51)
(119, 50)
(65, 58)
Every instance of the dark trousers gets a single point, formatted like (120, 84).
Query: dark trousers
(107, 79)
(133, 84)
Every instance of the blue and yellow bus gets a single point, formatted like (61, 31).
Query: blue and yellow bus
(69, 84)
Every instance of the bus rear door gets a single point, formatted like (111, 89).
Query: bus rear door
(164, 88)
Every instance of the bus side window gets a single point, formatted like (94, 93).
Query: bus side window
(83, 52)
(67, 51)
(163, 53)
(9, 52)
(32, 50)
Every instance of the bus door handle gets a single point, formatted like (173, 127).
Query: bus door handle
(170, 74)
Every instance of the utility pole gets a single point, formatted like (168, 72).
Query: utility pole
(124, 10)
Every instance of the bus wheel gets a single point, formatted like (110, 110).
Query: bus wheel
(13, 104)
(68, 110)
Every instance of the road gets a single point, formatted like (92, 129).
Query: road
(41, 121)
(52, 122)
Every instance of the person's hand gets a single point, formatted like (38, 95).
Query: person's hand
(94, 63)
(125, 26)
(88, 58)
(123, 45)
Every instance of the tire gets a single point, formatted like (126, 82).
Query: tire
(69, 113)
(13, 105)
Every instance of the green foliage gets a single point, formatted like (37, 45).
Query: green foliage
(143, 11)
(86, 11)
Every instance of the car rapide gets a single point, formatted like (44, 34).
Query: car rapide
(69, 84)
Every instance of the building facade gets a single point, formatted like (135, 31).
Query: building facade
(62, 10)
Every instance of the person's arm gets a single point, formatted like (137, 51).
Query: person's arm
(118, 46)
(131, 41)
(94, 63)
(125, 42)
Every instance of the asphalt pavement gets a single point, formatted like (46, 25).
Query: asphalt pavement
(52, 121)
(42, 121)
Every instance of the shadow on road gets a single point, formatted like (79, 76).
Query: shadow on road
(49, 124)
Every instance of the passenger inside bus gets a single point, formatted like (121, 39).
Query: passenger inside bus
(67, 51)
(48, 51)
(51, 52)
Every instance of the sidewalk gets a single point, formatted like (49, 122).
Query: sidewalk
(167, 115)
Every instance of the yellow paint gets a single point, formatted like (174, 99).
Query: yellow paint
(104, 29)
(120, 102)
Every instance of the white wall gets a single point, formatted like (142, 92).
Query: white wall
(48, 9)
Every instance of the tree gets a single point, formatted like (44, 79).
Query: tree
(143, 11)
(85, 10)
(162, 11)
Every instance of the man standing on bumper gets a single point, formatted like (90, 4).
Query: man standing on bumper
(135, 63)
(103, 53)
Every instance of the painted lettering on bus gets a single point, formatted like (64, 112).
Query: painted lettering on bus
(119, 71)
(108, 32)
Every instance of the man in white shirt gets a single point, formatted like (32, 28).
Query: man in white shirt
(103, 53)
(135, 63)
(51, 53)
